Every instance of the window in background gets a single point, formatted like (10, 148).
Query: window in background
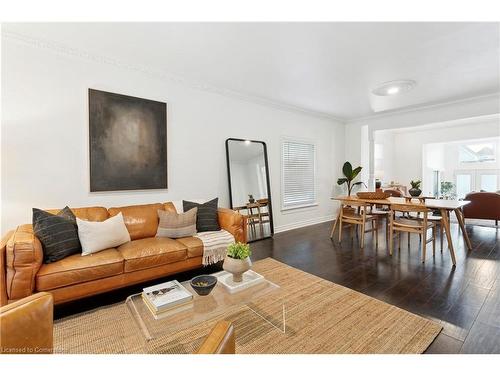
(477, 152)
(298, 174)
(489, 182)
(464, 185)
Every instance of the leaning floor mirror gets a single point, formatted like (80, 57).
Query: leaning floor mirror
(249, 192)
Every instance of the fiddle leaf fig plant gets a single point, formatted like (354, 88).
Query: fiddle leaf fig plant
(350, 175)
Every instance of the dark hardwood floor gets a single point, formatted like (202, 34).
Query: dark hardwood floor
(464, 299)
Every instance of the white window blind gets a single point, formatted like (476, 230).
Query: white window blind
(298, 159)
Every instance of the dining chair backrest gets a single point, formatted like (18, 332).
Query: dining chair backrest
(350, 205)
(353, 203)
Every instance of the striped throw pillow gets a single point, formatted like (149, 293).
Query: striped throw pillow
(174, 225)
(57, 233)
(207, 219)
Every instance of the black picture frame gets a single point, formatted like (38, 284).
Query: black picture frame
(268, 184)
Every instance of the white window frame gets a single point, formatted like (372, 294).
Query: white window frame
(282, 171)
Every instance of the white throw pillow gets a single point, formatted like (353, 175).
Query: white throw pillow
(100, 235)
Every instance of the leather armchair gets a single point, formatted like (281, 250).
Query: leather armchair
(221, 340)
(483, 205)
(26, 326)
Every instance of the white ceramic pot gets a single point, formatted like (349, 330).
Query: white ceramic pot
(237, 267)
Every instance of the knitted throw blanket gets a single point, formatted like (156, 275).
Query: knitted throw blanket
(215, 245)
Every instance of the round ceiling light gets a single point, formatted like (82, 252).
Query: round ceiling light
(394, 87)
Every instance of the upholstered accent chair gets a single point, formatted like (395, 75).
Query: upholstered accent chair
(483, 205)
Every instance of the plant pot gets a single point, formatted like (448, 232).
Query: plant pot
(414, 192)
(378, 184)
(251, 200)
(237, 267)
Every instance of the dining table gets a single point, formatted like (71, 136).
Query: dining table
(445, 207)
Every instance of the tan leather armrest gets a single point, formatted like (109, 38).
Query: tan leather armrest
(3, 268)
(221, 340)
(24, 256)
(27, 325)
(234, 223)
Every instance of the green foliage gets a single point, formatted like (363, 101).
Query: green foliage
(415, 184)
(350, 174)
(448, 189)
(238, 250)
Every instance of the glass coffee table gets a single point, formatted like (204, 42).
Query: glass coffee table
(264, 299)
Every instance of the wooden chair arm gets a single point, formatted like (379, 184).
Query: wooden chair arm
(221, 340)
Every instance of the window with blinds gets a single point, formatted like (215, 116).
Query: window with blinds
(298, 174)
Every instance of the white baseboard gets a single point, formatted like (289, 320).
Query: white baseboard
(304, 223)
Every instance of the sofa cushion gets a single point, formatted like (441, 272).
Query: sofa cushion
(194, 246)
(96, 236)
(57, 233)
(174, 225)
(151, 252)
(87, 213)
(206, 219)
(140, 220)
(76, 269)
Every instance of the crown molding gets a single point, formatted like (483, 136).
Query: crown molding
(84, 55)
(493, 118)
(418, 108)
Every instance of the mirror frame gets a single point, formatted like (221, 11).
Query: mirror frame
(268, 184)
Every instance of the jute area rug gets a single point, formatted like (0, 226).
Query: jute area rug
(322, 317)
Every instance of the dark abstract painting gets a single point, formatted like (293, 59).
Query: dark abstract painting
(128, 142)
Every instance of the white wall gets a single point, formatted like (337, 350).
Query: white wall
(406, 162)
(44, 151)
(463, 109)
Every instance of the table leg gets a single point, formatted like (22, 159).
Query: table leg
(335, 225)
(446, 224)
(460, 218)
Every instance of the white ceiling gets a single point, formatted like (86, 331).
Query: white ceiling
(329, 68)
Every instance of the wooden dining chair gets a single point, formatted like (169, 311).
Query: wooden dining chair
(408, 224)
(357, 219)
(434, 217)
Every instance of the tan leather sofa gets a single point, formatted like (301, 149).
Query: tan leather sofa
(146, 257)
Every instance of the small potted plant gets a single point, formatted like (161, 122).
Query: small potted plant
(237, 260)
(251, 199)
(415, 188)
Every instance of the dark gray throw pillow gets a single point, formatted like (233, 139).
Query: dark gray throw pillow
(57, 233)
(206, 219)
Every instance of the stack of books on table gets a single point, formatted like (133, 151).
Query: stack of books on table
(166, 296)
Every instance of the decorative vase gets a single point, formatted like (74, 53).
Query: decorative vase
(237, 267)
(251, 199)
(378, 184)
(414, 192)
